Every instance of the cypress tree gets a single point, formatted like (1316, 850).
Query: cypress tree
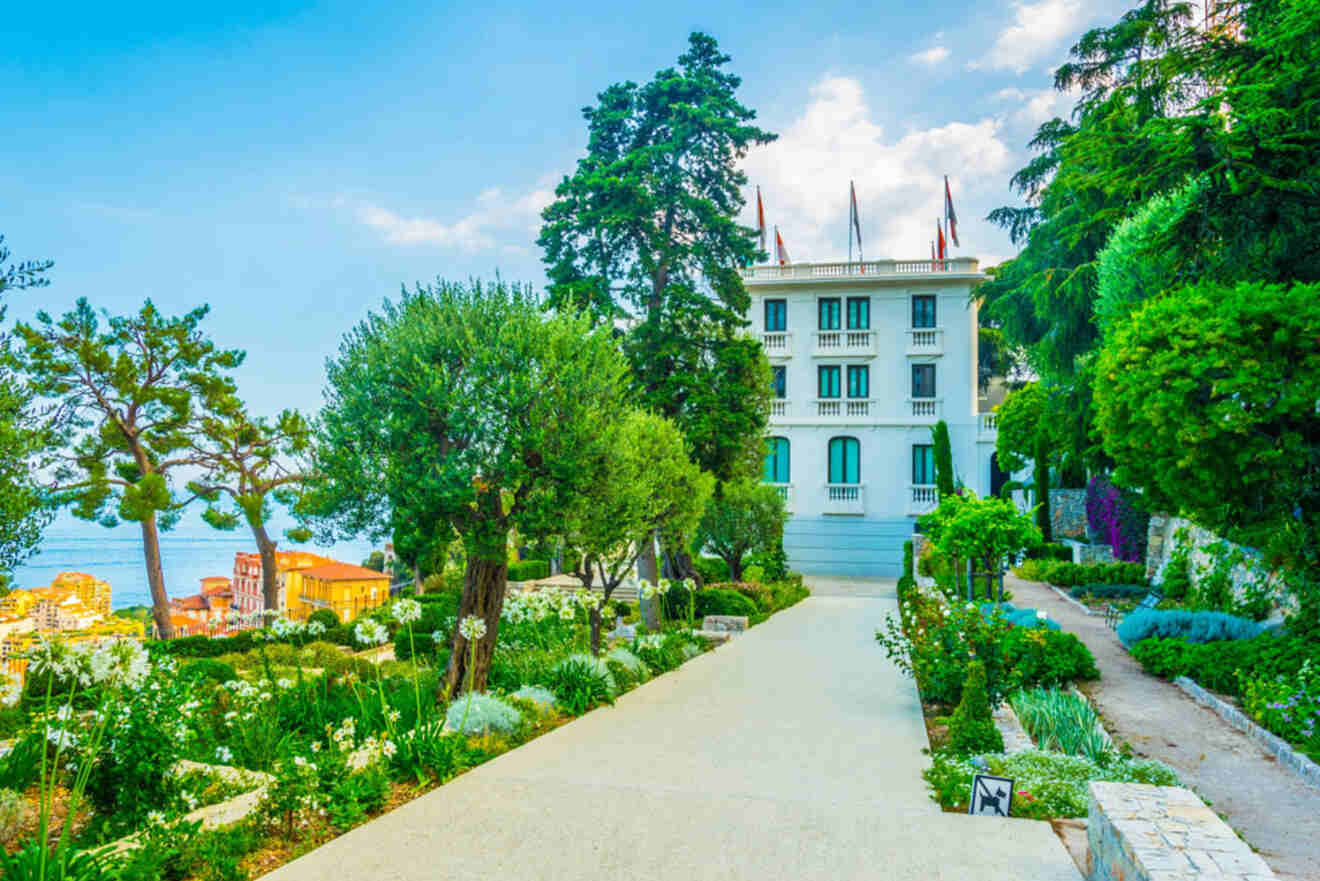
(943, 459)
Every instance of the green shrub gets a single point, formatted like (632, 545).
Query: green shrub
(661, 652)
(542, 698)
(1040, 656)
(209, 670)
(1063, 574)
(1052, 551)
(1219, 666)
(906, 578)
(754, 574)
(325, 618)
(1191, 626)
(529, 570)
(712, 569)
(1062, 721)
(1032, 570)
(580, 682)
(972, 730)
(627, 669)
(486, 715)
(719, 601)
(1110, 591)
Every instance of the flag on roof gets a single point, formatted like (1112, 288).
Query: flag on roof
(950, 217)
(760, 217)
(781, 253)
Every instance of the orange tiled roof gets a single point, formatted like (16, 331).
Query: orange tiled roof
(343, 572)
(196, 602)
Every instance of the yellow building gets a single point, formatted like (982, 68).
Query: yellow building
(343, 588)
(289, 569)
(92, 591)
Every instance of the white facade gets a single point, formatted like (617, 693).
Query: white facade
(859, 347)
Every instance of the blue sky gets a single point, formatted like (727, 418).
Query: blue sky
(291, 164)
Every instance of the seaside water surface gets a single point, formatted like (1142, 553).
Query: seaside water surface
(189, 552)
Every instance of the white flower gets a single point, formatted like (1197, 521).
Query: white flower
(64, 713)
(662, 586)
(315, 628)
(472, 628)
(392, 715)
(370, 632)
(10, 691)
(156, 818)
(224, 755)
(316, 747)
(61, 739)
(1041, 615)
(566, 612)
(406, 611)
(387, 747)
(646, 589)
(301, 762)
(283, 683)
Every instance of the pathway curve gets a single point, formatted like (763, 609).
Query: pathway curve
(1268, 805)
(793, 752)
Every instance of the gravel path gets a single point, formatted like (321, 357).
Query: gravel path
(1268, 806)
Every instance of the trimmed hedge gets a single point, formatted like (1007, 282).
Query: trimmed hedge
(1050, 551)
(1074, 574)
(715, 601)
(1111, 591)
(1191, 626)
(529, 570)
(1215, 665)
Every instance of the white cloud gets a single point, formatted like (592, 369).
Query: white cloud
(496, 219)
(900, 187)
(1038, 105)
(1037, 32)
(930, 57)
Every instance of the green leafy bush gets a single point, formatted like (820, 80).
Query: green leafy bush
(1063, 574)
(325, 618)
(1032, 570)
(581, 682)
(972, 730)
(529, 570)
(1040, 656)
(718, 601)
(906, 580)
(1110, 591)
(1191, 626)
(206, 669)
(1047, 784)
(627, 669)
(1217, 665)
(1062, 721)
(713, 570)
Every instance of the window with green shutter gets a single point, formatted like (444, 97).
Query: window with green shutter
(827, 381)
(845, 460)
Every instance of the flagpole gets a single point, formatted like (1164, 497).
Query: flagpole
(851, 209)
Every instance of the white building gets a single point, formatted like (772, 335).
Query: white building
(867, 358)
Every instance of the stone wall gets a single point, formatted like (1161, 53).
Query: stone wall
(1068, 514)
(1163, 536)
(1151, 833)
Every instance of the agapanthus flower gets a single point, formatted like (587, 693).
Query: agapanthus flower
(406, 611)
(315, 628)
(370, 632)
(10, 691)
(472, 628)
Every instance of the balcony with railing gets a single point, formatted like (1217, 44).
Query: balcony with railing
(987, 425)
(922, 499)
(778, 408)
(845, 498)
(926, 408)
(868, 269)
(925, 341)
(845, 343)
(785, 491)
(777, 344)
(844, 408)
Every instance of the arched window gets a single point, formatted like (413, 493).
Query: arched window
(845, 460)
(776, 460)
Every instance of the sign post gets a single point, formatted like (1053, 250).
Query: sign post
(991, 796)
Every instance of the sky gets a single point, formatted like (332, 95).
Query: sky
(292, 164)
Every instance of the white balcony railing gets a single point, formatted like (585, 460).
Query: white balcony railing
(836, 343)
(845, 498)
(778, 344)
(987, 424)
(922, 499)
(926, 408)
(778, 407)
(844, 407)
(785, 493)
(927, 341)
(871, 268)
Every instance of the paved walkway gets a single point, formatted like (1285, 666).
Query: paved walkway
(793, 752)
(1268, 806)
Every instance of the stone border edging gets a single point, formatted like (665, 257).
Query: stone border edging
(1301, 765)
(1082, 607)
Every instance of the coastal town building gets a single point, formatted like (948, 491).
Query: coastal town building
(207, 611)
(343, 588)
(75, 606)
(248, 596)
(866, 358)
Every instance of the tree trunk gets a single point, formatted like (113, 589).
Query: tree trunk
(419, 585)
(270, 591)
(735, 567)
(483, 597)
(648, 569)
(160, 601)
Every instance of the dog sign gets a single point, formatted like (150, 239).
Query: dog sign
(991, 796)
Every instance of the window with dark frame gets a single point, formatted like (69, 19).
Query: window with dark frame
(923, 380)
(776, 460)
(776, 316)
(923, 311)
(827, 381)
(859, 313)
(779, 380)
(844, 461)
(859, 381)
(829, 313)
(923, 464)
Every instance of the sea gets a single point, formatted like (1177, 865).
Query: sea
(189, 552)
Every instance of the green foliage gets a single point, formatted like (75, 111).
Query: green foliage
(1063, 574)
(1041, 474)
(325, 617)
(965, 527)
(646, 226)
(906, 581)
(529, 570)
(1210, 419)
(972, 730)
(581, 682)
(1289, 706)
(715, 601)
(1042, 656)
(208, 670)
(746, 517)
(1192, 626)
(1062, 721)
(1048, 784)
(943, 455)
(627, 669)
(1050, 551)
(487, 714)
(712, 569)
(357, 796)
(1020, 420)
(1218, 665)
